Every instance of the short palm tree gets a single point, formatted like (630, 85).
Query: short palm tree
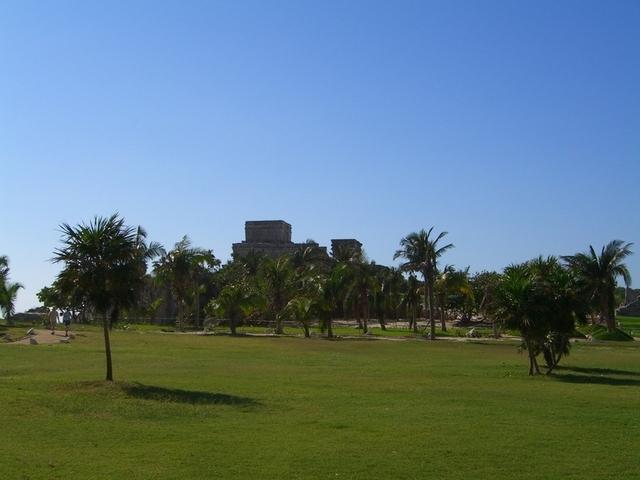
(421, 251)
(300, 309)
(178, 269)
(234, 302)
(8, 290)
(538, 299)
(597, 275)
(104, 260)
(8, 295)
(277, 280)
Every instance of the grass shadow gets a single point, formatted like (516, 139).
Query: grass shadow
(599, 371)
(598, 380)
(176, 395)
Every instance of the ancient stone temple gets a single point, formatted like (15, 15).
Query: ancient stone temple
(344, 243)
(269, 237)
(273, 238)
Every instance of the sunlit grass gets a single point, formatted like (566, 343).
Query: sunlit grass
(193, 407)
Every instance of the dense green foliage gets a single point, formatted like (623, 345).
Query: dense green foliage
(539, 299)
(597, 275)
(8, 290)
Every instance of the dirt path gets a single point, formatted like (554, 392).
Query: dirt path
(44, 337)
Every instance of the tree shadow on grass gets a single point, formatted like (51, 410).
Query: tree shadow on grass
(599, 371)
(176, 395)
(598, 380)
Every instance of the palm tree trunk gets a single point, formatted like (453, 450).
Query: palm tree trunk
(425, 277)
(107, 347)
(329, 329)
(381, 322)
(365, 320)
(232, 326)
(414, 320)
(432, 316)
(305, 328)
(197, 306)
(606, 316)
(442, 319)
(534, 369)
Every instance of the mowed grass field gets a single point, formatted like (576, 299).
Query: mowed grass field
(630, 324)
(199, 407)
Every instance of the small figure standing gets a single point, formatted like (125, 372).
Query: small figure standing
(66, 321)
(53, 319)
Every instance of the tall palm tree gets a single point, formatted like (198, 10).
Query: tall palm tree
(362, 285)
(103, 260)
(411, 301)
(333, 291)
(597, 275)
(179, 270)
(421, 252)
(452, 290)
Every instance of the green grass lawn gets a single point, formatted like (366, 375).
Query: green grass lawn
(196, 407)
(630, 324)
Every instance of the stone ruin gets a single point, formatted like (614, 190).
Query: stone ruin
(350, 243)
(631, 307)
(273, 238)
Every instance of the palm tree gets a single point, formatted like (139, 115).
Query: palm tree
(333, 289)
(103, 259)
(362, 285)
(483, 289)
(452, 290)
(300, 309)
(538, 298)
(8, 290)
(421, 252)
(130, 278)
(8, 295)
(597, 275)
(4, 269)
(514, 305)
(411, 301)
(309, 257)
(234, 302)
(277, 280)
(179, 270)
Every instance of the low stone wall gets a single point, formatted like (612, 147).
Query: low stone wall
(631, 310)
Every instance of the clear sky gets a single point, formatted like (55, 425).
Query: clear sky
(513, 125)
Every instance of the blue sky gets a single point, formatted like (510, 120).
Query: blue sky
(513, 125)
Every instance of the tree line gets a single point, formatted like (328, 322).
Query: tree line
(105, 275)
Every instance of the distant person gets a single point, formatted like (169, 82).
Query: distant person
(53, 319)
(66, 321)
